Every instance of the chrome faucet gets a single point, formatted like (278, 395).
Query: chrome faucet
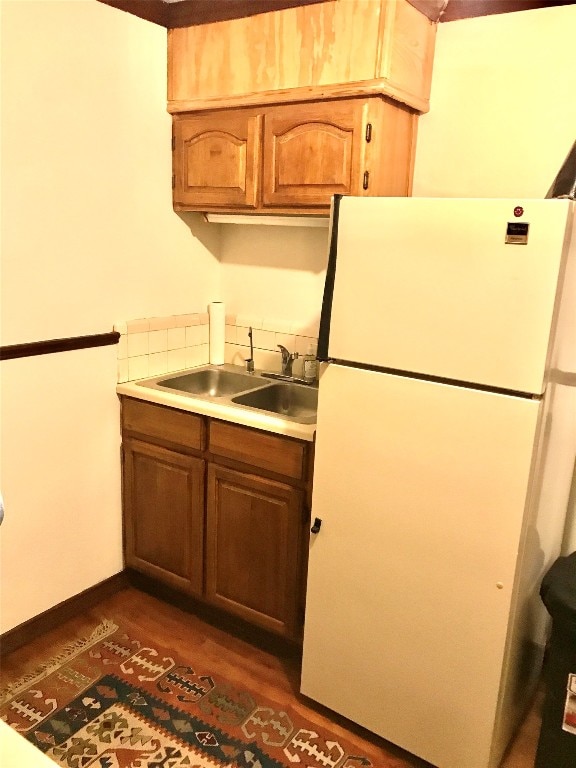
(287, 360)
(250, 360)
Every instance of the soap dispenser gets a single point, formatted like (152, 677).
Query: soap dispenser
(310, 370)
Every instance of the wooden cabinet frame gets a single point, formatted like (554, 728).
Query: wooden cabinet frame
(326, 51)
(292, 158)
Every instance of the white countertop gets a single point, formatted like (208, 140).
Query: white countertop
(217, 409)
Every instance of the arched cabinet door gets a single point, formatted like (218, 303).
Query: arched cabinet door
(216, 159)
(313, 151)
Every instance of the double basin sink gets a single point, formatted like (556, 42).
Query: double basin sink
(287, 399)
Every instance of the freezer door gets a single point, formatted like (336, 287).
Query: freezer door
(421, 488)
(459, 289)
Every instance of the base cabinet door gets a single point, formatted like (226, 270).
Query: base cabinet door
(252, 548)
(164, 514)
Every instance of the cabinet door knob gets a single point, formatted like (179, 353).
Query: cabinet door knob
(316, 527)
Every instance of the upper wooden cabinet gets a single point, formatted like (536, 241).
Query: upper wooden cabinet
(328, 50)
(217, 159)
(292, 157)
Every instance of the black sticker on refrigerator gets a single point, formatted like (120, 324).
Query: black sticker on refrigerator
(517, 232)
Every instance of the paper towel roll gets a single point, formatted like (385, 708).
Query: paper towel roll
(217, 314)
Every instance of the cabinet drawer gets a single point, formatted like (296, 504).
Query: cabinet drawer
(164, 424)
(258, 449)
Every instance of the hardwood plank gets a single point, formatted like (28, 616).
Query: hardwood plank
(246, 659)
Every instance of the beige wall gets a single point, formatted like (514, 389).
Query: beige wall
(88, 238)
(502, 116)
(503, 113)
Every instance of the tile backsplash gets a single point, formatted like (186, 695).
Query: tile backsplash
(158, 345)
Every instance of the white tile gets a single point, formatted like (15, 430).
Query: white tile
(160, 323)
(176, 359)
(121, 327)
(243, 338)
(234, 355)
(190, 357)
(204, 318)
(137, 367)
(247, 321)
(267, 361)
(123, 371)
(157, 363)
(286, 340)
(230, 319)
(230, 334)
(137, 344)
(310, 328)
(138, 326)
(264, 339)
(122, 348)
(157, 341)
(193, 335)
(196, 356)
(204, 334)
(181, 321)
(176, 338)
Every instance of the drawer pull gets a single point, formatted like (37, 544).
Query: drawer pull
(316, 527)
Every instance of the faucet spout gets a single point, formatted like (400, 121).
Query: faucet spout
(287, 360)
(250, 360)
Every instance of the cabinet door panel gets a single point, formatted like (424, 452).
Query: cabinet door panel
(216, 159)
(163, 503)
(313, 151)
(252, 548)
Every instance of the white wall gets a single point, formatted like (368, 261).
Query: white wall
(88, 238)
(502, 109)
(502, 116)
(274, 272)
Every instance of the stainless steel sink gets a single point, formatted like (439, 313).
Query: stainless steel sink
(211, 382)
(229, 385)
(292, 401)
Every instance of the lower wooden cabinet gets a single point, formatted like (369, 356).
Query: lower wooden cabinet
(253, 548)
(164, 514)
(222, 518)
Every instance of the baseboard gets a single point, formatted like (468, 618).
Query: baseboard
(262, 638)
(54, 617)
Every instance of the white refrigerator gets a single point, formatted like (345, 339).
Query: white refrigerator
(445, 450)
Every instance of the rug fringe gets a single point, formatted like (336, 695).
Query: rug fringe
(70, 651)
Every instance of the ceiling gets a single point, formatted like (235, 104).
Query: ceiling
(185, 13)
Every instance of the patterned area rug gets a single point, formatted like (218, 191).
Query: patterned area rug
(109, 701)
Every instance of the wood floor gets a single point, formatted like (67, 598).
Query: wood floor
(258, 662)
